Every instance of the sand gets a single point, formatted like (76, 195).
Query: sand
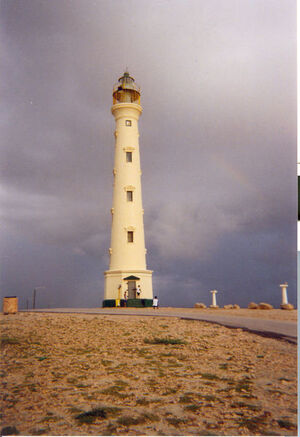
(65, 374)
(274, 314)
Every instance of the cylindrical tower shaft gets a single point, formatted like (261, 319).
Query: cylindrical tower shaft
(127, 236)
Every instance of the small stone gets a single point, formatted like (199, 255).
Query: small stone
(267, 414)
(284, 381)
(236, 307)
(228, 307)
(199, 305)
(252, 306)
(287, 306)
(265, 306)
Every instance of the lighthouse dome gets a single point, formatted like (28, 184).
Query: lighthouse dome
(126, 91)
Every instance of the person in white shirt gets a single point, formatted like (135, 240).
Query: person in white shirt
(155, 302)
(138, 292)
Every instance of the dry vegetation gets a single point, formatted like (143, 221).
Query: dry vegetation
(108, 375)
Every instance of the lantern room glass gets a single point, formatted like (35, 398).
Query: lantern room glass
(126, 91)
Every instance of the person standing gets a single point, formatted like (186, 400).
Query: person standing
(118, 301)
(155, 303)
(138, 291)
(125, 298)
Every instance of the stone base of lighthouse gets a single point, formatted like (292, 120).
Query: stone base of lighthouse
(117, 282)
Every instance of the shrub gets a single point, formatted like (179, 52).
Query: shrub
(9, 430)
(9, 340)
(157, 340)
(92, 415)
(128, 420)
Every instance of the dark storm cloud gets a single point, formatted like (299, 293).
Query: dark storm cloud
(218, 145)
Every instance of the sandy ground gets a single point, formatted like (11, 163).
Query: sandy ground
(65, 374)
(274, 314)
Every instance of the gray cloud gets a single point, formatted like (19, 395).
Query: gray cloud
(218, 145)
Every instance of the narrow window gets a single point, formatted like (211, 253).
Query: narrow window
(130, 236)
(128, 122)
(129, 196)
(128, 156)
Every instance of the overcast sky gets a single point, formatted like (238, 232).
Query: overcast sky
(217, 143)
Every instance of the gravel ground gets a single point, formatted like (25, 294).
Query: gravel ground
(274, 314)
(66, 374)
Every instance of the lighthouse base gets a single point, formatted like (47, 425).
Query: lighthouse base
(134, 286)
(130, 303)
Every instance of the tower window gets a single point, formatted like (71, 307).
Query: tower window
(129, 195)
(127, 122)
(130, 236)
(128, 156)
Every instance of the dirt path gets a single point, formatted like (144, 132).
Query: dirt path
(272, 323)
(274, 314)
(80, 374)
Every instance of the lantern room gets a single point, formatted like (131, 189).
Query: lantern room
(126, 91)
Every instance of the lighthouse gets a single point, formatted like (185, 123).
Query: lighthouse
(127, 282)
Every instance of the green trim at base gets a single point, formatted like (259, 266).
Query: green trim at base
(132, 303)
(108, 303)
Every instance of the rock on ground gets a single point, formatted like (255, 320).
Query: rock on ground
(287, 306)
(265, 306)
(199, 305)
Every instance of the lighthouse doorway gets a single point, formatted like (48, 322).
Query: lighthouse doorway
(131, 286)
(131, 289)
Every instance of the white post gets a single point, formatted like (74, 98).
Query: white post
(284, 299)
(214, 300)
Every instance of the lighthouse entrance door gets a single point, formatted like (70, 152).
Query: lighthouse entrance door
(131, 289)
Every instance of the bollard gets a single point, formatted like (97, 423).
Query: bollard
(284, 298)
(214, 300)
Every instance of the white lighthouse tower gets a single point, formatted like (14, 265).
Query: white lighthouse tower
(127, 277)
